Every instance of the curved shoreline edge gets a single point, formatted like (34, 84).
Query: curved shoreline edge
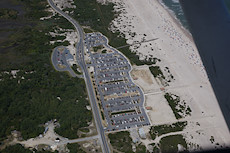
(177, 21)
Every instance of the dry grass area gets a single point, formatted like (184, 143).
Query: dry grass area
(91, 146)
(144, 79)
(61, 66)
(60, 49)
(122, 95)
(142, 74)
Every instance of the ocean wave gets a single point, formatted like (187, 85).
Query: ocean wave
(174, 8)
(175, 1)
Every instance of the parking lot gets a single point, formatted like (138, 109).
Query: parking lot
(121, 100)
(60, 59)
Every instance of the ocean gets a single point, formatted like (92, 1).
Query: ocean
(210, 27)
(175, 9)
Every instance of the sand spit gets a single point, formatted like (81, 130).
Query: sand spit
(140, 20)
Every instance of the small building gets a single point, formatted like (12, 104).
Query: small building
(88, 107)
(148, 108)
(142, 133)
(69, 57)
(57, 140)
(134, 135)
(46, 129)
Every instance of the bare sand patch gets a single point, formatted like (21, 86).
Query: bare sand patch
(142, 74)
(161, 113)
(144, 79)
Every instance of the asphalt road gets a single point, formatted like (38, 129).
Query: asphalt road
(60, 58)
(81, 62)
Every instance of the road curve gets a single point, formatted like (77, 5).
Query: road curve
(55, 63)
(81, 62)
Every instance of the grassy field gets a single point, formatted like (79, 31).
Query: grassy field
(20, 149)
(121, 141)
(141, 149)
(75, 68)
(156, 72)
(8, 13)
(75, 148)
(85, 130)
(166, 128)
(169, 144)
(98, 48)
(180, 109)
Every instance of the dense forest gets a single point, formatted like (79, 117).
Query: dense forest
(20, 149)
(121, 141)
(28, 99)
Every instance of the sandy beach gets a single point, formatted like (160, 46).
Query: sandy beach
(148, 19)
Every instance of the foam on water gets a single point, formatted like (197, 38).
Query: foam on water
(175, 1)
(175, 9)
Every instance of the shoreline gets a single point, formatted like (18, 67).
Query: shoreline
(176, 20)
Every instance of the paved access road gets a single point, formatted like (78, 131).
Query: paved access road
(60, 62)
(81, 62)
